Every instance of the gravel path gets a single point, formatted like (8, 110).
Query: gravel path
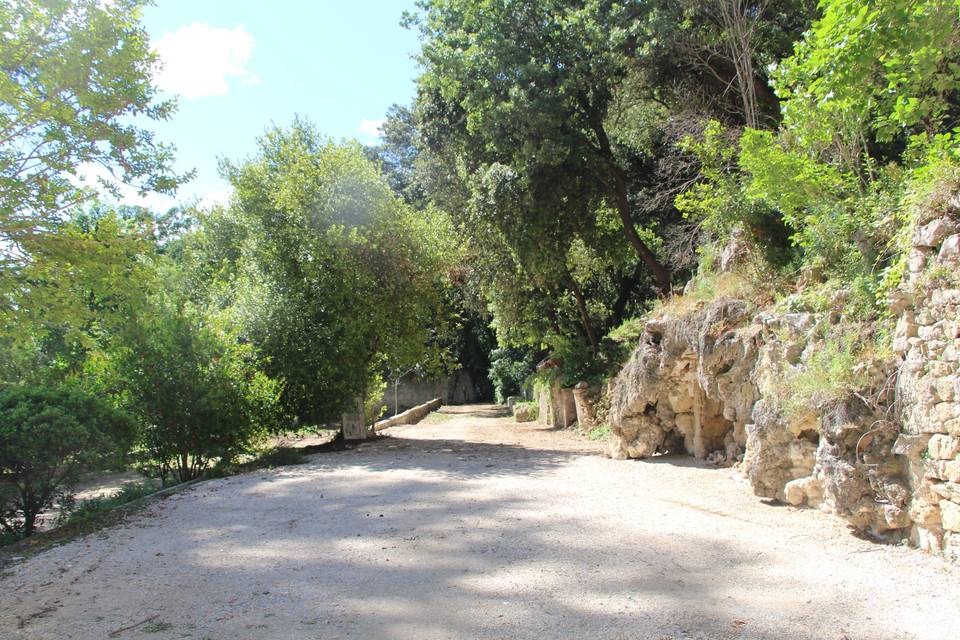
(471, 526)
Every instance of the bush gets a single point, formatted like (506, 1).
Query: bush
(509, 368)
(48, 437)
(197, 391)
(526, 411)
(832, 372)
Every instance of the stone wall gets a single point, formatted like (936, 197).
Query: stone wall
(410, 416)
(458, 388)
(927, 339)
(710, 383)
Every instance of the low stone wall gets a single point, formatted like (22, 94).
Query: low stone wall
(410, 416)
(458, 388)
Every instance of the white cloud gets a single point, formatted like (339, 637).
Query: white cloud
(371, 128)
(197, 60)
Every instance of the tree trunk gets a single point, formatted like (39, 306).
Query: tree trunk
(627, 285)
(31, 508)
(660, 273)
(584, 316)
(621, 199)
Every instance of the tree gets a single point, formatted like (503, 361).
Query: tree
(335, 276)
(528, 85)
(712, 57)
(48, 437)
(197, 391)
(871, 77)
(398, 153)
(74, 76)
(78, 289)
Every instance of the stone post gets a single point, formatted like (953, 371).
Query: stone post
(355, 423)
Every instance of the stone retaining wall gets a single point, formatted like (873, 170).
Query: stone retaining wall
(886, 458)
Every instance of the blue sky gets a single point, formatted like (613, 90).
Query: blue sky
(240, 65)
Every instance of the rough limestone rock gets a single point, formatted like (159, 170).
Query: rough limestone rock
(709, 383)
(934, 232)
(584, 398)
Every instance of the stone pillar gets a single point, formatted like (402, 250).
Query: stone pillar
(355, 424)
(584, 405)
(567, 406)
(545, 406)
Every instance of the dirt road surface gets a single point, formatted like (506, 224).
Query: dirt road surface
(472, 526)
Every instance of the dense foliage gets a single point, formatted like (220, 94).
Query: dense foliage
(74, 75)
(335, 279)
(49, 437)
(563, 168)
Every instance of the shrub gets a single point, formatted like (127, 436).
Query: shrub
(526, 411)
(197, 391)
(48, 437)
(72, 512)
(508, 370)
(831, 372)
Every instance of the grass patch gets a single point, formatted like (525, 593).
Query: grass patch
(436, 417)
(832, 371)
(601, 432)
(76, 513)
(266, 459)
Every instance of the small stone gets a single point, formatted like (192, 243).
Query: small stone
(933, 233)
(924, 514)
(924, 317)
(943, 447)
(952, 427)
(947, 388)
(947, 490)
(929, 539)
(950, 515)
(941, 470)
(895, 518)
(910, 445)
(950, 250)
(917, 259)
(899, 301)
(947, 411)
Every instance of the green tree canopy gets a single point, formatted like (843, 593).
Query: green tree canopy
(336, 278)
(75, 77)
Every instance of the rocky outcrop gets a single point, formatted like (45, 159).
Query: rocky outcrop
(712, 383)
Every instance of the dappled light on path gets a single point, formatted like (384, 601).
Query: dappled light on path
(474, 527)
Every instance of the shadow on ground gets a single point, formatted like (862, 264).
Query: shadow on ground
(405, 538)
